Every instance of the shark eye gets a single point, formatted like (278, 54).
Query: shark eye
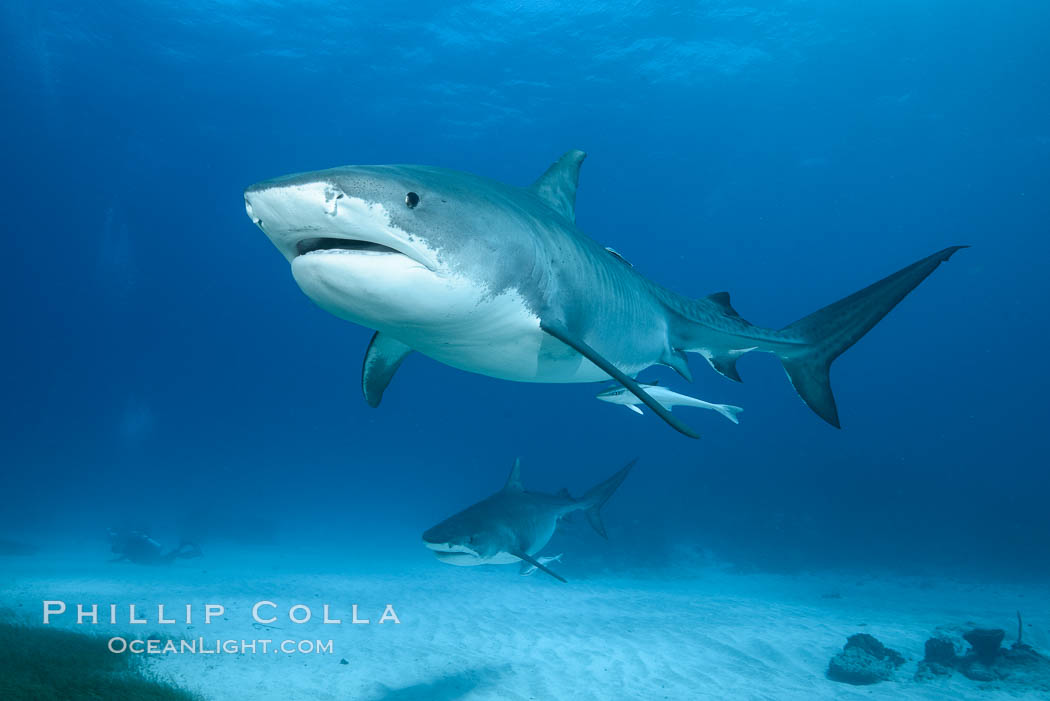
(411, 199)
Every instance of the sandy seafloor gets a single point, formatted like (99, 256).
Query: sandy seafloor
(697, 631)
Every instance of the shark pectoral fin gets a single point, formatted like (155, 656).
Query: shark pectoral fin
(525, 557)
(633, 408)
(382, 359)
(560, 333)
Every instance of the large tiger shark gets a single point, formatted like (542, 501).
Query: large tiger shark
(498, 280)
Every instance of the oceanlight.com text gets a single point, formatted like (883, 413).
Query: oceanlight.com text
(200, 646)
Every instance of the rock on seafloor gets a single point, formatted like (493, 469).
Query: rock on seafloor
(940, 659)
(864, 660)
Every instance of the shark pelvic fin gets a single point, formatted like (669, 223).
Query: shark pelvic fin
(559, 332)
(596, 497)
(726, 365)
(557, 187)
(514, 478)
(382, 359)
(676, 360)
(521, 555)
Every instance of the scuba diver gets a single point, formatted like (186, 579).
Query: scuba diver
(137, 547)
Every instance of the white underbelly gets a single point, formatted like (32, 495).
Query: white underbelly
(508, 348)
(445, 317)
(539, 542)
(501, 559)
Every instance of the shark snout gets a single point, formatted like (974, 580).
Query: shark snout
(251, 212)
(286, 213)
(303, 215)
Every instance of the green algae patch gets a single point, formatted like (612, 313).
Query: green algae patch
(48, 664)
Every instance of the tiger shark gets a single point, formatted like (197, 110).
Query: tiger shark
(498, 280)
(513, 524)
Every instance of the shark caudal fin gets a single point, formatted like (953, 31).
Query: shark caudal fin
(729, 411)
(595, 498)
(808, 347)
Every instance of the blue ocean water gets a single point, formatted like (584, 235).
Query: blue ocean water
(163, 369)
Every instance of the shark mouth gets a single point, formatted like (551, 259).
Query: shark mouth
(449, 549)
(311, 245)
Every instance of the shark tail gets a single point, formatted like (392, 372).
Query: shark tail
(807, 347)
(595, 498)
(729, 411)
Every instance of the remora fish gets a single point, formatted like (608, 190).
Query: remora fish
(526, 569)
(667, 399)
(497, 280)
(513, 525)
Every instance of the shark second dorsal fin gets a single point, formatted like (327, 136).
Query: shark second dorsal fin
(514, 479)
(722, 300)
(557, 187)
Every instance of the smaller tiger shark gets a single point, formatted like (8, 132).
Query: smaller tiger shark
(513, 524)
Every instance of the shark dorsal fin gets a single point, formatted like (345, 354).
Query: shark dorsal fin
(514, 479)
(557, 187)
(722, 300)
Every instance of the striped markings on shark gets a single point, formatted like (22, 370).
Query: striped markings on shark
(667, 398)
(514, 525)
(498, 280)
